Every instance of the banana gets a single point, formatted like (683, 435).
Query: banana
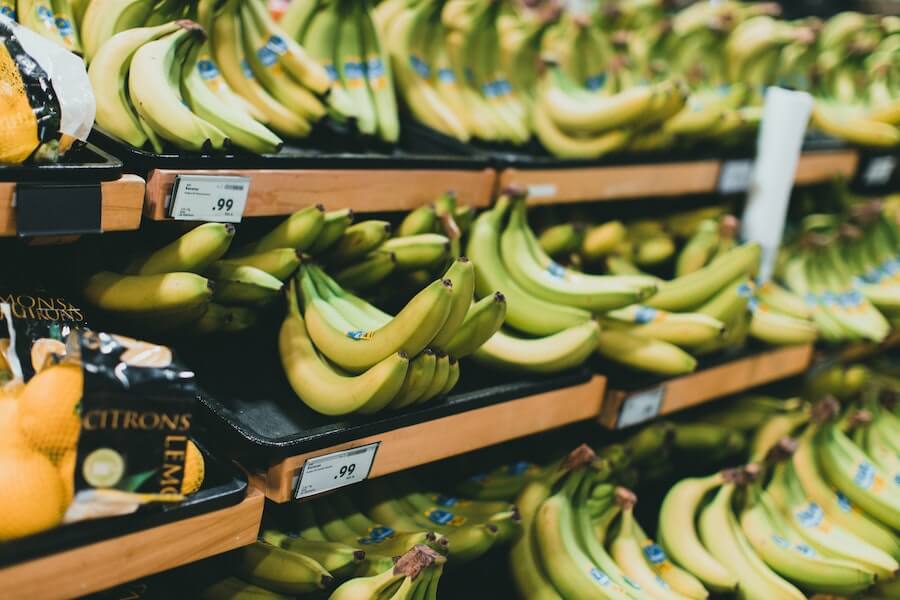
(852, 472)
(681, 541)
(281, 570)
(685, 293)
(561, 240)
(678, 579)
(853, 126)
(355, 310)
(418, 380)
(108, 74)
(232, 588)
(318, 385)
(280, 263)
(297, 17)
(226, 41)
(723, 537)
(537, 274)
(525, 312)
(705, 439)
(104, 18)
(155, 92)
(370, 271)
(318, 39)
(782, 330)
(686, 330)
(776, 298)
(359, 239)
(482, 320)
(350, 65)
(379, 78)
(452, 377)
(699, 249)
(774, 429)
(601, 240)
(193, 252)
(334, 224)
(627, 553)
(551, 354)
(421, 220)
(462, 275)
(243, 285)
(438, 379)
(298, 231)
(137, 295)
(338, 559)
(410, 331)
(645, 354)
(224, 319)
(562, 145)
(417, 251)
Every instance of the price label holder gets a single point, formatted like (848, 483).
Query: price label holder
(218, 198)
(542, 190)
(44, 209)
(641, 406)
(335, 470)
(879, 170)
(735, 176)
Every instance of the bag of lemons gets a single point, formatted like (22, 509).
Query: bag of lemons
(72, 444)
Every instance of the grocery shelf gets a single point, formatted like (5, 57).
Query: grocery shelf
(857, 350)
(825, 165)
(427, 441)
(716, 381)
(585, 184)
(283, 191)
(90, 568)
(121, 201)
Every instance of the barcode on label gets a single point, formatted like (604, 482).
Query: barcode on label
(234, 186)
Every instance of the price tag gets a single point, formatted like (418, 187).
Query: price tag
(336, 470)
(735, 176)
(543, 190)
(879, 170)
(218, 198)
(58, 209)
(641, 406)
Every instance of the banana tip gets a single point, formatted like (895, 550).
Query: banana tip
(499, 297)
(359, 555)
(462, 259)
(230, 229)
(326, 581)
(320, 207)
(447, 283)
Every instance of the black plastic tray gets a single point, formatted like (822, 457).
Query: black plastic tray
(85, 163)
(334, 152)
(255, 415)
(223, 486)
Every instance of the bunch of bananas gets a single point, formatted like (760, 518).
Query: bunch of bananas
(843, 267)
(343, 37)
(196, 286)
(282, 567)
(56, 20)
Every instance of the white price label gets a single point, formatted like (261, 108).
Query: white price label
(218, 198)
(336, 470)
(735, 176)
(543, 190)
(880, 170)
(641, 406)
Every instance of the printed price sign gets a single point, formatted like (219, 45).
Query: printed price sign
(735, 176)
(879, 170)
(641, 406)
(336, 470)
(542, 190)
(218, 198)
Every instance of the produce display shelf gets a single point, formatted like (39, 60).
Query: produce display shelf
(858, 350)
(643, 401)
(825, 165)
(431, 440)
(121, 201)
(283, 191)
(101, 565)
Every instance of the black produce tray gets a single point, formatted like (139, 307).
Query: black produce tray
(255, 415)
(84, 163)
(623, 378)
(223, 486)
(335, 152)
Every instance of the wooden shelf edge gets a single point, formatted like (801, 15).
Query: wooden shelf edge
(550, 186)
(276, 192)
(80, 571)
(122, 200)
(716, 382)
(825, 165)
(434, 440)
(860, 350)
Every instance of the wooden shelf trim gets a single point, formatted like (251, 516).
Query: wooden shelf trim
(456, 434)
(283, 191)
(821, 166)
(861, 350)
(722, 380)
(549, 186)
(102, 565)
(121, 205)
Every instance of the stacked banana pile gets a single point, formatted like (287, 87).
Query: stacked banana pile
(844, 267)
(353, 541)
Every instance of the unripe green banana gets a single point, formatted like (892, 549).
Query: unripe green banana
(481, 322)
(438, 380)
(462, 275)
(243, 285)
(418, 251)
(192, 252)
(145, 295)
(298, 231)
(281, 570)
(372, 270)
(280, 263)
(699, 249)
(224, 319)
(334, 225)
(418, 380)
(561, 240)
(421, 220)
(338, 559)
(358, 240)
(602, 240)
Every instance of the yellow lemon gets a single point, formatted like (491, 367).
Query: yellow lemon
(67, 474)
(194, 470)
(33, 496)
(10, 434)
(49, 409)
